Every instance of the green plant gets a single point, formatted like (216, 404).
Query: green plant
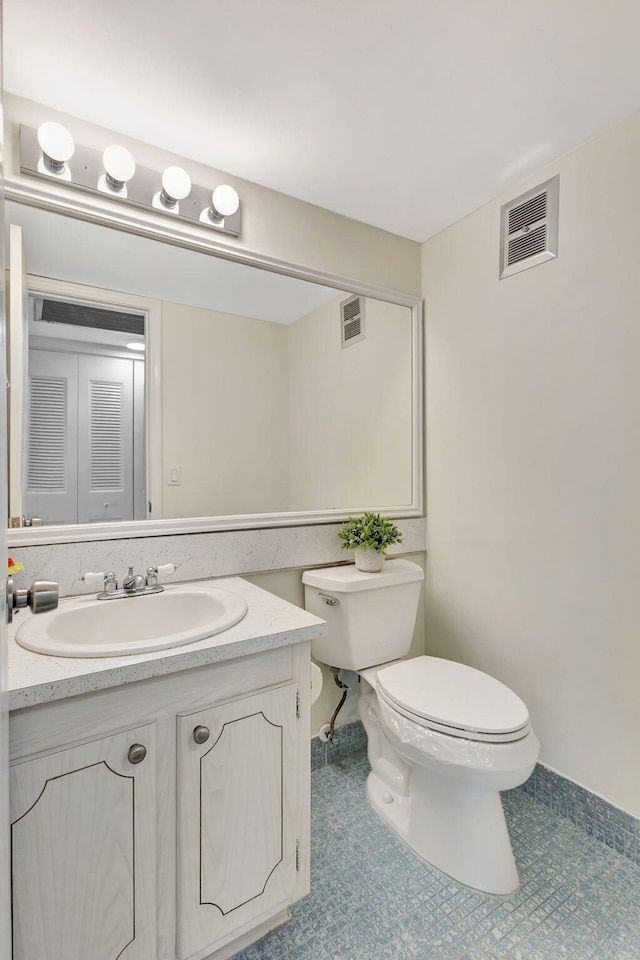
(371, 532)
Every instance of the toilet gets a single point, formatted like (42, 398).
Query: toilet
(443, 739)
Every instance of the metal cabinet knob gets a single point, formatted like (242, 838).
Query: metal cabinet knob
(42, 596)
(137, 753)
(201, 734)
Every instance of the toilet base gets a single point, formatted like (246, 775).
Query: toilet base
(458, 830)
(450, 816)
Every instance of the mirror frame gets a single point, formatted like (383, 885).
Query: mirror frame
(107, 212)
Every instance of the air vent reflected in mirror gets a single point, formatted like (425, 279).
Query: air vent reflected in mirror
(352, 320)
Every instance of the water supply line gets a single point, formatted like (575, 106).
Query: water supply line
(327, 731)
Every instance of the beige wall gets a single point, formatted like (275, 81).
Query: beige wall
(533, 452)
(350, 407)
(224, 413)
(262, 417)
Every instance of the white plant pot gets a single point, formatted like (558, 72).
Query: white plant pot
(369, 561)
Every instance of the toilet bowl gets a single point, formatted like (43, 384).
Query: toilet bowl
(443, 739)
(440, 789)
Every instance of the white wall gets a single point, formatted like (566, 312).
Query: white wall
(224, 413)
(533, 453)
(350, 407)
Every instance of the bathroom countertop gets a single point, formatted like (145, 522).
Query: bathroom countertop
(269, 623)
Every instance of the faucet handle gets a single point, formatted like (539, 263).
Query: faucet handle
(110, 583)
(163, 569)
(108, 580)
(93, 577)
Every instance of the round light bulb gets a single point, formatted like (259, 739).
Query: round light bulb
(224, 201)
(119, 166)
(176, 184)
(56, 144)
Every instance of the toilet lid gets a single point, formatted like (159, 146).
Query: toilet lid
(456, 698)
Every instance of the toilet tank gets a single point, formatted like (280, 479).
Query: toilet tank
(371, 616)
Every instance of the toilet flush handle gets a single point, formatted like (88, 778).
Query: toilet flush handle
(329, 600)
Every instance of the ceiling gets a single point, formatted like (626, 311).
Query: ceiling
(406, 115)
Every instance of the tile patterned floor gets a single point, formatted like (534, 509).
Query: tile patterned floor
(373, 899)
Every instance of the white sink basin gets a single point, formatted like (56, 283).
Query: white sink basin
(86, 627)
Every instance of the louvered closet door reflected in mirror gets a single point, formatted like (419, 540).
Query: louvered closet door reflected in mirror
(84, 462)
(51, 474)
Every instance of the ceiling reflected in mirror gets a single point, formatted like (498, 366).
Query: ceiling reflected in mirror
(81, 252)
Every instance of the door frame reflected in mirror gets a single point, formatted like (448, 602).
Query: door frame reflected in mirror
(67, 291)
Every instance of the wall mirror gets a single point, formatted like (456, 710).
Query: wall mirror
(158, 389)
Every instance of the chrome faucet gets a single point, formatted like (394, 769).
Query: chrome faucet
(133, 585)
(133, 581)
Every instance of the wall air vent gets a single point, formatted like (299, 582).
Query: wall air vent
(85, 315)
(352, 316)
(529, 229)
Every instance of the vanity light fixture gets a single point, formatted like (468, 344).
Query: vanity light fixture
(51, 154)
(119, 168)
(224, 203)
(176, 186)
(57, 147)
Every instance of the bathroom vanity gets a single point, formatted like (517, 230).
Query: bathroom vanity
(160, 802)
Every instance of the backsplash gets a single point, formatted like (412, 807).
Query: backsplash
(198, 556)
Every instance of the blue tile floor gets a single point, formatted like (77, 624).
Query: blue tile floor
(373, 899)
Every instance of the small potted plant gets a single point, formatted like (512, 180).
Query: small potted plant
(369, 535)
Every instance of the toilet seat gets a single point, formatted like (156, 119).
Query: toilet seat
(451, 698)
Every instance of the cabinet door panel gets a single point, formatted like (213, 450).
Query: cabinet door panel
(236, 795)
(83, 852)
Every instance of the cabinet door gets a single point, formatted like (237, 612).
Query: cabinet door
(236, 807)
(83, 852)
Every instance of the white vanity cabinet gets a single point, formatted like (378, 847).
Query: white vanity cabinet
(190, 851)
(236, 815)
(83, 851)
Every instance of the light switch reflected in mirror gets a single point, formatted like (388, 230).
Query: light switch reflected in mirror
(259, 407)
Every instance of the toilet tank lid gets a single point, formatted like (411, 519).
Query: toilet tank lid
(347, 579)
